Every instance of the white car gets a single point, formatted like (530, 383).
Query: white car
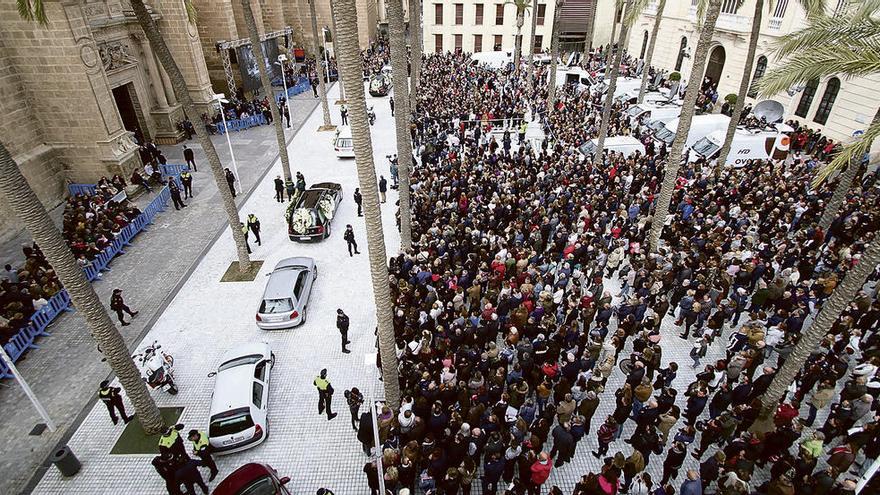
(343, 144)
(240, 402)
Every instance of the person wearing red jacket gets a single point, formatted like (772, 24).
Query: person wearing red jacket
(540, 472)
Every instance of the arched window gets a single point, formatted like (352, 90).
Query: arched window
(644, 45)
(681, 49)
(807, 98)
(760, 69)
(827, 101)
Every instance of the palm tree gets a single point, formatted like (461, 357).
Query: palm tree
(811, 336)
(260, 57)
(532, 45)
(554, 54)
(618, 4)
(24, 202)
(612, 86)
(846, 44)
(522, 6)
(632, 14)
(321, 86)
(401, 116)
(812, 7)
(415, 46)
(661, 207)
(351, 67)
(178, 83)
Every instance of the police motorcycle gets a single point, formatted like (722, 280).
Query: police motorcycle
(157, 368)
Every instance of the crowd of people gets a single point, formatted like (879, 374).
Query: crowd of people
(92, 221)
(24, 291)
(534, 324)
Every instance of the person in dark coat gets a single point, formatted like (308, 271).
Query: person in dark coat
(647, 443)
(349, 238)
(563, 444)
(190, 158)
(342, 322)
(111, 398)
(118, 304)
(253, 224)
(174, 189)
(674, 460)
(230, 181)
(186, 179)
(493, 468)
(165, 466)
(365, 432)
(358, 199)
(279, 189)
(710, 469)
(372, 477)
(189, 475)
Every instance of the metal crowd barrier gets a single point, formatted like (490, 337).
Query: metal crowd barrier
(23, 341)
(241, 124)
(302, 85)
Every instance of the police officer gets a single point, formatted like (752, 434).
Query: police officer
(174, 189)
(349, 238)
(325, 394)
(342, 322)
(111, 398)
(118, 304)
(253, 224)
(186, 179)
(171, 442)
(358, 199)
(202, 449)
(244, 232)
(166, 467)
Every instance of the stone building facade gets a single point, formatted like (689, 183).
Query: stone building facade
(74, 93)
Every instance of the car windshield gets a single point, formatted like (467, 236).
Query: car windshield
(260, 486)
(343, 143)
(705, 147)
(656, 125)
(272, 306)
(665, 135)
(634, 111)
(235, 421)
(588, 148)
(239, 361)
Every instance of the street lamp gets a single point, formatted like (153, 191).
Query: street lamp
(220, 99)
(281, 59)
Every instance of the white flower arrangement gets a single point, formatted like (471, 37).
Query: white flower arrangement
(325, 206)
(301, 220)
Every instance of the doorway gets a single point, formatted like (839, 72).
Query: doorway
(715, 66)
(129, 109)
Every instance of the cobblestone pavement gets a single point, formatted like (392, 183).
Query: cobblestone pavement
(66, 371)
(197, 329)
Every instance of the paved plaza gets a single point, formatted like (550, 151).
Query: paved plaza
(206, 318)
(67, 368)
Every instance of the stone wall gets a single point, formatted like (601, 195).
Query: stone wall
(215, 23)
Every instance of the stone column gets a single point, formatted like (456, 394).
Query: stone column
(166, 83)
(155, 77)
(183, 40)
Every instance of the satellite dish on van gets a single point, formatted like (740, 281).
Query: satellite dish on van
(771, 110)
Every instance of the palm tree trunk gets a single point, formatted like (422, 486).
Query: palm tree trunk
(532, 45)
(157, 43)
(27, 207)
(259, 56)
(317, 52)
(649, 56)
(743, 84)
(351, 65)
(661, 207)
(610, 46)
(612, 86)
(401, 116)
(554, 54)
(415, 45)
(813, 335)
(843, 186)
(335, 52)
(517, 48)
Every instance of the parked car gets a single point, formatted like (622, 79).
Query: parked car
(286, 297)
(619, 144)
(380, 84)
(343, 144)
(240, 401)
(253, 479)
(311, 218)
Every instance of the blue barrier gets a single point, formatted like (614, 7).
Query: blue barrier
(173, 170)
(23, 341)
(241, 124)
(302, 85)
(87, 189)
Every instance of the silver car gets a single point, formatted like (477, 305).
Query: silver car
(286, 297)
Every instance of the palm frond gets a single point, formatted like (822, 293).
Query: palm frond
(637, 7)
(192, 15)
(813, 8)
(32, 10)
(853, 28)
(851, 152)
(522, 6)
(820, 62)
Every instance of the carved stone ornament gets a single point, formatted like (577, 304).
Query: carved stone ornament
(115, 54)
(124, 143)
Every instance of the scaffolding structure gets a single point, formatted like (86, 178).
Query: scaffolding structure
(224, 46)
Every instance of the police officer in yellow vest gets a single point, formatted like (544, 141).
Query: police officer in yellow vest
(186, 179)
(202, 449)
(111, 398)
(244, 232)
(325, 394)
(171, 442)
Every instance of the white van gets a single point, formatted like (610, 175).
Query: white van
(663, 112)
(574, 75)
(701, 126)
(342, 142)
(632, 96)
(619, 144)
(748, 144)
